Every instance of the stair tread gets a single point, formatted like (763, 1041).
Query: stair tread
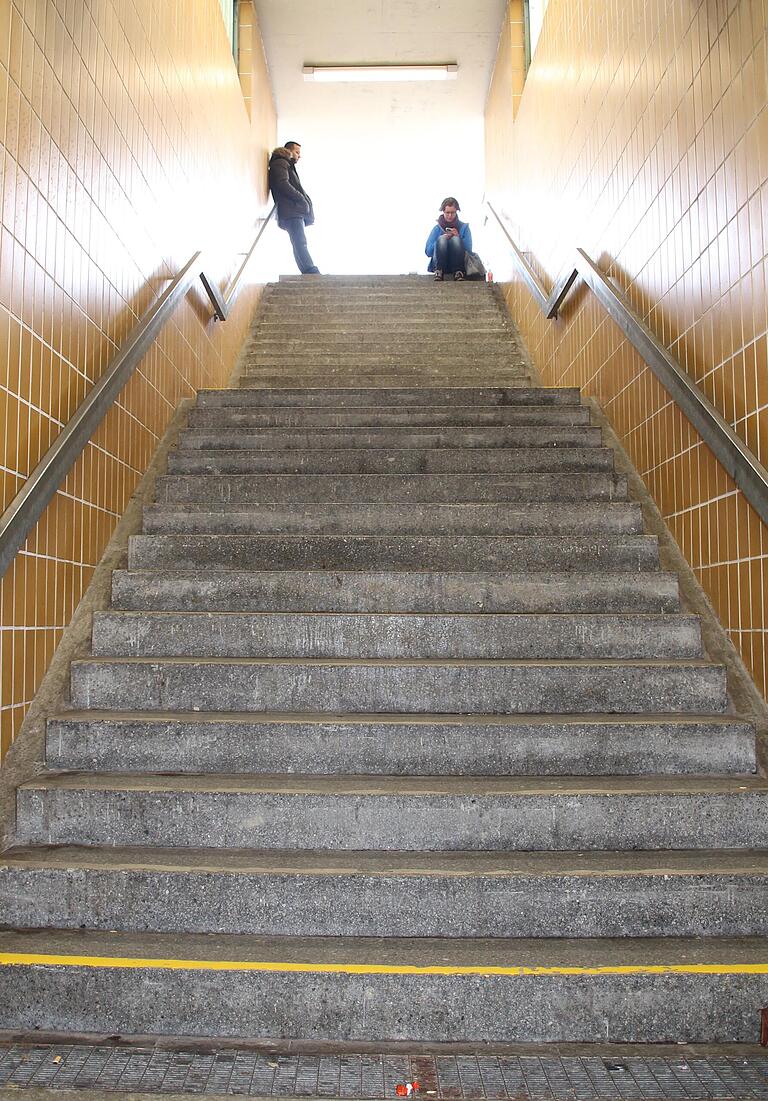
(231, 452)
(352, 435)
(507, 476)
(475, 663)
(643, 619)
(398, 409)
(392, 952)
(355, 785)
(561, 394)
(515, 505)
(475, 577)
(683, 718)
(610, 536)
(324, 862)
(552, 523)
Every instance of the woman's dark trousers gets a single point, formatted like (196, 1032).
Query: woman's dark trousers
(295, 229)
(448, 254)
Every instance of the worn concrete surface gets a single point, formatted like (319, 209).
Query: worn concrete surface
(416, 745)
(638, 1006)
(419, 813)
(418, 591)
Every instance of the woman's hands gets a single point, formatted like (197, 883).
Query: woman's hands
(451, 231)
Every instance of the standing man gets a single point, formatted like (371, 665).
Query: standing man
(294, 206)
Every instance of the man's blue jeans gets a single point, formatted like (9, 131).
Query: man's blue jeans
(295, 230)
(448, 254)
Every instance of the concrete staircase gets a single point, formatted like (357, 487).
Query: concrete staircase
(394, 729)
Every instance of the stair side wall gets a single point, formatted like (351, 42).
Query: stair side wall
(128, 147)
(640, 136)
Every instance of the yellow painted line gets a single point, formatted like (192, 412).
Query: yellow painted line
(15, 959)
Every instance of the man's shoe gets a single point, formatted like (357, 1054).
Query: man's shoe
(438, 275)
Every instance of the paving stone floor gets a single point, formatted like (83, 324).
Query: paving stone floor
(151, 1069)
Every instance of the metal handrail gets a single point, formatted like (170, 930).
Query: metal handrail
(732, 453)
(229, 294)
(41, 485)
(223, 301)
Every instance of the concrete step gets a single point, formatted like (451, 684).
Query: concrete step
(353, 349)
(391, 438)
(316, 893)
(427, 291)
(538, 460)
(298, 337)
(366, 518)
(592, 552)
(395, 813)
(405, 360)
(345, 285)
(423, 326)
(289, 284)
(485, 341)
(412, 317)
(400, 745)
(375, 378)
(351, 635)
(381, 305)
(385, 308)
(335, 351)
(407, 591)
(415, 319)
(699, 989)
(413, 397)
(228, 490)
(437, 298)
(373, 278)
(388, 416)
(430, 294)
(397, 685)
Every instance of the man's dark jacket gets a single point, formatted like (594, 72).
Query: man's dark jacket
(284, 183)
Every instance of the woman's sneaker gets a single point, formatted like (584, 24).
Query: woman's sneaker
(458, 276)
(438, 275)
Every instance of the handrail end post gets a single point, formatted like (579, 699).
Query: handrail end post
(219, 306)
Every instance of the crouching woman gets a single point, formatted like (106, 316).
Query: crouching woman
(449, 240)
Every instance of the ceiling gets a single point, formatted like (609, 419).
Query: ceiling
(299, 32)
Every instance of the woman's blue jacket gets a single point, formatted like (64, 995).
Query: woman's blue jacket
(464, 233)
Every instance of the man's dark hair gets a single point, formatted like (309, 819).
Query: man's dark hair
(292, 145)
(450, 201)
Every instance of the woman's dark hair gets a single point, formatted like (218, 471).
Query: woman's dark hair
(450, 201)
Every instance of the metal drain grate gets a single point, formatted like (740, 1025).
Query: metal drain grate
(117, 1069)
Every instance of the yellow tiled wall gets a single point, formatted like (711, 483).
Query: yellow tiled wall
(126, 146)
(642, 137)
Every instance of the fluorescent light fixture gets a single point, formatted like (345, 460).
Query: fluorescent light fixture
(347, 73)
